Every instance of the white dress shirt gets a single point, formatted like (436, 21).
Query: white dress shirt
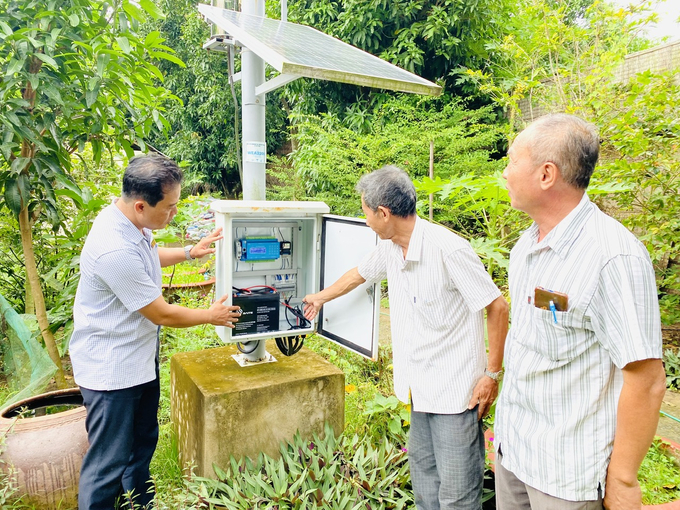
(113, 346)
(556, 416)
(437, 298)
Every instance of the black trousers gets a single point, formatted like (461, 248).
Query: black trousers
(122, 429)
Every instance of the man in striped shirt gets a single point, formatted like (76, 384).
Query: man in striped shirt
(438, 291)
(584, 379)
(117, 313)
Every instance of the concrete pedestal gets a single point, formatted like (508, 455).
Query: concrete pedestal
(220, 409)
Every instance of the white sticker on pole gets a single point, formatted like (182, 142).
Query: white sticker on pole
(256, 152)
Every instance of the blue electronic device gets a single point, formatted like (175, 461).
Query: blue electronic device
(258, 249)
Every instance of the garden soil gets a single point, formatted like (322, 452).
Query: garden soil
(669, 428)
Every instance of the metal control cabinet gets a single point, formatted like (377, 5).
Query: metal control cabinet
(295, 249)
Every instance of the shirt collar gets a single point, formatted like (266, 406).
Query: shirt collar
(415, 244)
(128, 228)
(560, 238)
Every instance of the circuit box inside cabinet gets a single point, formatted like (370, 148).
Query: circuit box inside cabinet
(274, 253)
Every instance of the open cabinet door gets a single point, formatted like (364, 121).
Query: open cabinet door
(350, 320)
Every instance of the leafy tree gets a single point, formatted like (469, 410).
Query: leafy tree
(552, 60)
(330, 157)
(75, 72)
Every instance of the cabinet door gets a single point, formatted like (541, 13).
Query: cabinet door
(350, 320)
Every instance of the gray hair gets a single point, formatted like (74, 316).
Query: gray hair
(569, 142)
(389, 187)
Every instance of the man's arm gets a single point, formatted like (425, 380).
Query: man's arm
(172, 256)
(346, 283)
(163, 314)
(486, 390)
(644, 385)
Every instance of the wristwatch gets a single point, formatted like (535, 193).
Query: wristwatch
(496, 376)
(187, 251)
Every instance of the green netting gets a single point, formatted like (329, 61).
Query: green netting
(27, 365)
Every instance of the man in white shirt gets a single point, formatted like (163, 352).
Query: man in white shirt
(438, 290)
(584, 379)
(118, 312)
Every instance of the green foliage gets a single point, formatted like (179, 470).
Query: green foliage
(671, 362)
(330, 158)
(58, 252)
(659, 474)
(638, 121)
(388, 417)
(478, 208)
(553, 59)
(74, 72)
(344, 474)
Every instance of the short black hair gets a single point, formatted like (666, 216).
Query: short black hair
(149, 177)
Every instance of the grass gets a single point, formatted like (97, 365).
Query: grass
(188, 272)
(659, 474)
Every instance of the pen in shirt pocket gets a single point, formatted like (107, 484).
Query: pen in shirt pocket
(553, 310)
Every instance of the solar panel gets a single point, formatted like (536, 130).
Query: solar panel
(300, 50)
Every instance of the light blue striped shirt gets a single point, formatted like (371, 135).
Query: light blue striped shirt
(113, 346)
(437, 298)
(556, 415)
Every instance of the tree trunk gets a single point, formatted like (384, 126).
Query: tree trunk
(29, 306)
(38, 298)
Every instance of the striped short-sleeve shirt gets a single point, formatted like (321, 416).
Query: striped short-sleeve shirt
(437, 295)
(113, 346)
(556, 416)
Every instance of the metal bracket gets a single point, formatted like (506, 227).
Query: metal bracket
(220, 42)
(275, 83)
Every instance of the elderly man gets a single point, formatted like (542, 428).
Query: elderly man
(118, 312)
(584, 379)
(438, 290)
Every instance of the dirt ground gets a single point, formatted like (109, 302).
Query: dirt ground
(668, 427)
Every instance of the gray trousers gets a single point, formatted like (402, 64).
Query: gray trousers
(446, 459)
(514, 494)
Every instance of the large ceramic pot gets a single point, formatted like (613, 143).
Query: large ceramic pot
(46, 450)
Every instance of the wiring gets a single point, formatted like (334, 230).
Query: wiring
(290, 345)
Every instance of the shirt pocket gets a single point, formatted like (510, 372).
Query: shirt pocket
(431, 309)
(558, 336)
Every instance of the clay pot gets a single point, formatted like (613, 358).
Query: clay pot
(46, 450)
(170, 291)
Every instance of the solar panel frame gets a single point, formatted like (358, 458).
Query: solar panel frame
(303, 51)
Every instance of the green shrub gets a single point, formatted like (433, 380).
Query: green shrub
(328, 473)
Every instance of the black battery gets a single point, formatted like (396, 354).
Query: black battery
(260, 313)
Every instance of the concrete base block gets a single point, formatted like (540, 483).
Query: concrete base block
(220, 409)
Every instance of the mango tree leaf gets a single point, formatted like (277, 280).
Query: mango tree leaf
(12, 195)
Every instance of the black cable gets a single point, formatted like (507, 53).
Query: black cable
(290, 345)
(241, 346)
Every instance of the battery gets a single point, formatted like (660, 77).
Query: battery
(260, 313)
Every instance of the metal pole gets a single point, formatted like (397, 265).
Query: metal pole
(253, 125)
